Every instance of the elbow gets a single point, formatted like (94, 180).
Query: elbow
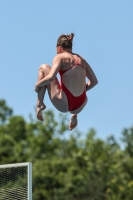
(95, 82)
(50, 78)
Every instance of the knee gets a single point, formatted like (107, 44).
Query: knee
(44, 68)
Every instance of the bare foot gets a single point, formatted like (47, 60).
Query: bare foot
(73, 121)
(39, 108)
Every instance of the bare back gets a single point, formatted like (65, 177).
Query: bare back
(74, 77)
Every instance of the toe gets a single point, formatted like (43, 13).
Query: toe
(72, 126)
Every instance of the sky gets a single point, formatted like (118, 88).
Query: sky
(103, 36)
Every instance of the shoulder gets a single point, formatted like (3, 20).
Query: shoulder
(80, 56)
(61, 56)
(57, 57)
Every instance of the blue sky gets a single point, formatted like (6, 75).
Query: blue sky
(103, 36)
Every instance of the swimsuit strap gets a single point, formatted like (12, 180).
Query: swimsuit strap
(77, 63)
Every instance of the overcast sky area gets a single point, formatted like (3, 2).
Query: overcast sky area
(103, 36)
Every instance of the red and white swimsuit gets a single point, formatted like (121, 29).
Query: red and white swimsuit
(73, 102)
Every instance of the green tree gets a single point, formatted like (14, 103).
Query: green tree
(69, 168)
(5, 112)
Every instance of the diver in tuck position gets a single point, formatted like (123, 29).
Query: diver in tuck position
(70, 95)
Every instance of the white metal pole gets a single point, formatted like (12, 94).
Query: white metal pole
(29, 181)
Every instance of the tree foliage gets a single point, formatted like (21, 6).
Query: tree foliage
(67, 168)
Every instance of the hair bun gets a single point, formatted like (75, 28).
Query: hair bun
(65, 41)
(70, 37)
